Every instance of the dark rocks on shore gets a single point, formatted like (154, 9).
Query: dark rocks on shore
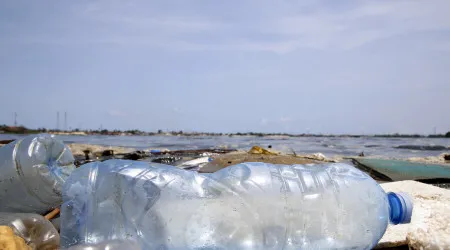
(422, 147)
(108, 152)
(167, 159)
(447, 157)
(193, 152)
(137, 155)
(6, 141)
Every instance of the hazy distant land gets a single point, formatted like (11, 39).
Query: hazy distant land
(24, 130)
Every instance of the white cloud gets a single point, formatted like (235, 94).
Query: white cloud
(176, 110)
(264, 121)
(283, 120)
(367, 22)
(117, 113)
(286, 119)
(445, 47)
(284, 30)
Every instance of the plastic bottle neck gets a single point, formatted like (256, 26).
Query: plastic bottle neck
(400, 208)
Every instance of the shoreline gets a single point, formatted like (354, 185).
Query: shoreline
(78, 149)
(21, 130)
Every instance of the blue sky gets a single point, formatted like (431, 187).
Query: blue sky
(227, 66)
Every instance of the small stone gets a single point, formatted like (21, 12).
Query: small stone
(108, 152)
(6, 141)
(166, 159)
(135, 155)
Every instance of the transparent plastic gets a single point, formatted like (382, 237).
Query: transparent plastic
(37, 231)
(108, 245)
(246, 206)
(32, 172)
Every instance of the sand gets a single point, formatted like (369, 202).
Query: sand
(229, 159)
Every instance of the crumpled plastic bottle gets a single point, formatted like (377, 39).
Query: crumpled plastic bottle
(33, 170)
(246, 206)
(38, 232)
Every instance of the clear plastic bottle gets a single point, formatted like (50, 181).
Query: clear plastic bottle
(108, 245)
(246, 206)
(32, 172)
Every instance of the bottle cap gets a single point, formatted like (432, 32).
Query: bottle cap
(401, 207)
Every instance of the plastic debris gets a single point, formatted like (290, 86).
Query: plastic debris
(318, 157)
(195, 164)
(246, 206)
(108, 245)
(32, 172)
(38, 232)
(261, 151)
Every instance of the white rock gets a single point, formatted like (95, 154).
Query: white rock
(430, 222)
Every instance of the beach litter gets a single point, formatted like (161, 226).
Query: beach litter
(33, 170)
(30, 194)
(36, 231)
(108, 245)
(166, 159)
(261, 151)
(165, 207)
(195, 164)
(164, 156)
(317, 157)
